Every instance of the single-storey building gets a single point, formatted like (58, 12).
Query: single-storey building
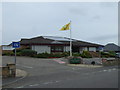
(112, 47)
(6, 48)
(51, 44)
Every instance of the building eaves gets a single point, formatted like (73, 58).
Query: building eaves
(43, 40)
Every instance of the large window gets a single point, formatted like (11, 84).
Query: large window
(56, 48)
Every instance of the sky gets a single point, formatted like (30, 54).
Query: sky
(95, 22)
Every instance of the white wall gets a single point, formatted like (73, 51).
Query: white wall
(66, 48)
(41, 49)
(85, 49)
(7, 47)
(92, 49)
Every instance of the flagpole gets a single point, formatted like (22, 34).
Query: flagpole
(70, 40)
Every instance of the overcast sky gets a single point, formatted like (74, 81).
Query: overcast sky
(95, 22)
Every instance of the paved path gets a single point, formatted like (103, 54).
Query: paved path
(20, 74)
(47, 73)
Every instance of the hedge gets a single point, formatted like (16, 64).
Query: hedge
(108, 54)
(27, 52)
(47, 55)
(8, 54)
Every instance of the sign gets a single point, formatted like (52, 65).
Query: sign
(15, 44)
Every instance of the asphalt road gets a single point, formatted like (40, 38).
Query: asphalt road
(48, 73)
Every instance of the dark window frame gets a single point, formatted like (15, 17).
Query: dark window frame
(57, 48)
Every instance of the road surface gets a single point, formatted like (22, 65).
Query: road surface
(48, 73)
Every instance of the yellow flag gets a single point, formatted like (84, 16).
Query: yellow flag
(65, 27)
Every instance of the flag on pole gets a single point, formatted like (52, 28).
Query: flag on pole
(68, 27)
(65, 27)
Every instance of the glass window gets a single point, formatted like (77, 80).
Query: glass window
(57, 48)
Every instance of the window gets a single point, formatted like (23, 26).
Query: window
(56, 48)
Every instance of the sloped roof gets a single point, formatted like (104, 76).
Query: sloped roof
(56, 40)
(36, 40)
(111, 47)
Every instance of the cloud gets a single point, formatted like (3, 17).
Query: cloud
(108, 4)
(97, 17)
(78, 11)
(105, 37)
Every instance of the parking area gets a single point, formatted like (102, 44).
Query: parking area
(49, 73)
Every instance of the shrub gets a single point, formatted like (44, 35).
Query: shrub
(27, 52)
(65, 54)
(18, 50)
(76, 54)
(57, 55)
(108, 54)
(112, 53)
(8, 54)
(18, 53)
(104, 54)
(42, 55)
(47, 55)
(86, 54)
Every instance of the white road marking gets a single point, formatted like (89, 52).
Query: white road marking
(109, 70)
(57, 81)
(99, 71)
(24, 66)
(21, 86)
(114, 69)
(51, 82)
(16, 81)
(34, 85)
(104, 70)
(76, 68)
(47, 82)
(73, 68)
(27, 67)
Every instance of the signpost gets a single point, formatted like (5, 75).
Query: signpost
(100, 49)
(15, 45)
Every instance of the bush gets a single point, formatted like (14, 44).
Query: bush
(108, 54)
(112, 54)
(18, 50)
(18, 53)
(8, 54)
(47, 55)
(86, 54)
(57, 55)
(65, 54)
(27, 52)
(76, 54)
(42, 55)
(104, 54)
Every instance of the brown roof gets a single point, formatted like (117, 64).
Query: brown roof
(42, 40)
(36, 40)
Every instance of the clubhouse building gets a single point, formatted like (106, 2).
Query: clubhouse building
(55, 44)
